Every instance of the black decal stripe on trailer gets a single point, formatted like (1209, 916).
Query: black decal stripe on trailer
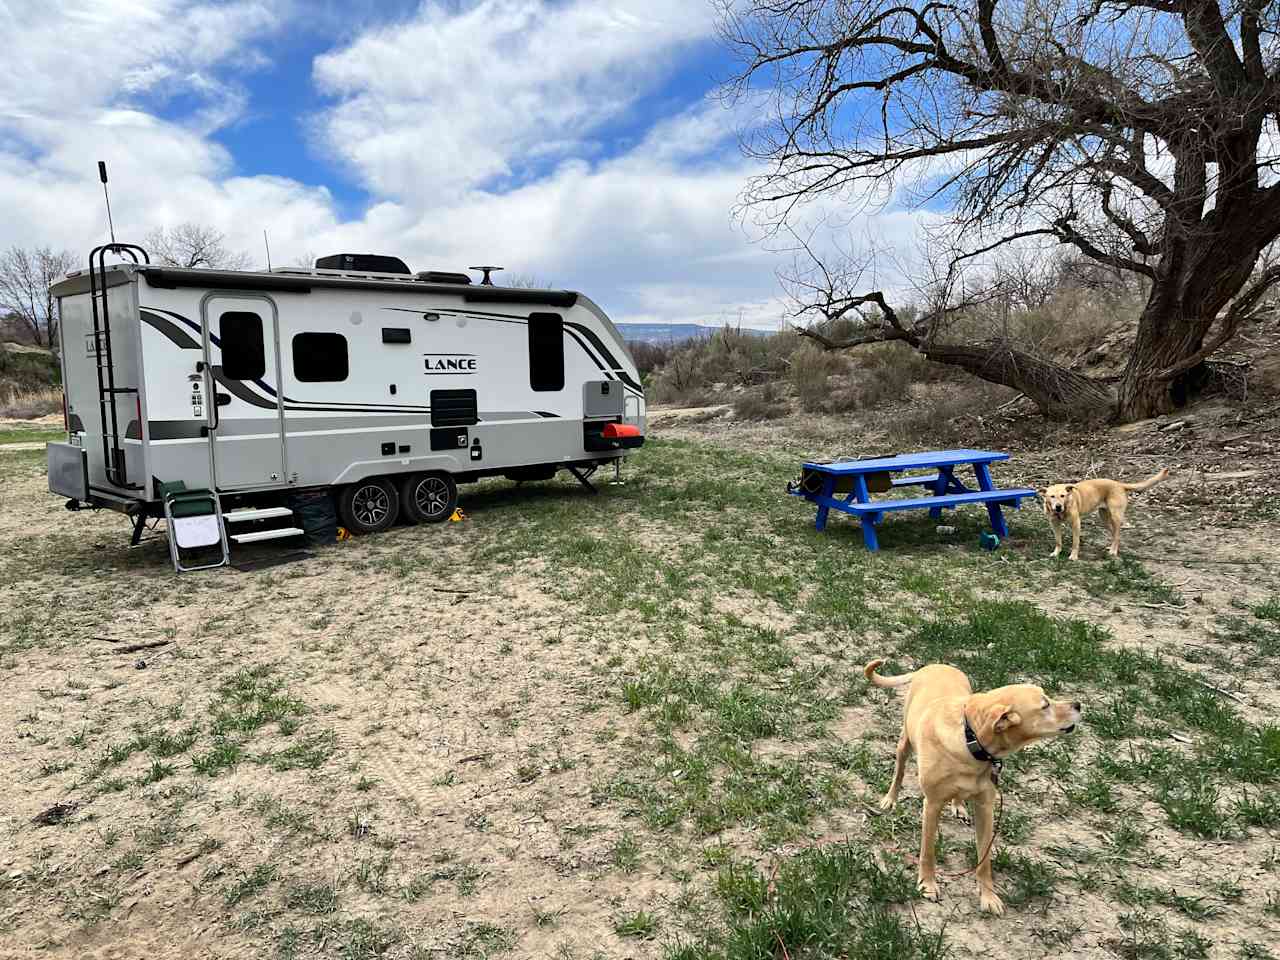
(171, 330)
(610, 361)
(215, 341)
(609, 358)
(587, 350)
(289, 401)
(238, 389)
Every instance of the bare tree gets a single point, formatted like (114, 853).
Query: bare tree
(1129, 130)
(194, 245)
(25, 276)
(526, 281)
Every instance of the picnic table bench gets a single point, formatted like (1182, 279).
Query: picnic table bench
(856, 478)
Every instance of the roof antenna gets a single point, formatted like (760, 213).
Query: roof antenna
(102, 175)
(486, 282)
(267, 243)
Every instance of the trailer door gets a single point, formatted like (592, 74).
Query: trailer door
(242, 368)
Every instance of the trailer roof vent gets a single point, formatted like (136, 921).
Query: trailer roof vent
(443, 276)
(362, 263)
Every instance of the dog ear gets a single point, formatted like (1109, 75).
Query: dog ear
(996, 719)
(1069, 487)
(1005, 717)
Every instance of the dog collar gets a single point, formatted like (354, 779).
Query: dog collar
(979, 752)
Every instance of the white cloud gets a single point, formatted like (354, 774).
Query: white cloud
(68, 58)
(457, 100)
(445, 112)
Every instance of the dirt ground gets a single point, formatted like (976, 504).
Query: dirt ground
(419, 744)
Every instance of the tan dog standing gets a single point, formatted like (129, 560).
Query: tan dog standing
(1068, 502)
(960, 738)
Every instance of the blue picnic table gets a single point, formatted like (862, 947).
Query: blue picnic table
(819, 482)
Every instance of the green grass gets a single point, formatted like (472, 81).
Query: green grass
(30, 435)
(823, 902)
(717, 644)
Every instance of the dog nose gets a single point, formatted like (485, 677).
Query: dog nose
(1076, 706)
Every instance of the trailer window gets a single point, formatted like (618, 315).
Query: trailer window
(546, 351)
(320, 357)
(243, 354)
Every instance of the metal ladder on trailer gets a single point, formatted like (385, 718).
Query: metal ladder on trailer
(113, 457)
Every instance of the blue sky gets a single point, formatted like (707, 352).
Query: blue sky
(573, 141)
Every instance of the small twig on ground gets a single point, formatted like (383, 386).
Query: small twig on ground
(191, 857)
(1180, 737)
(135, 647)
(475, 756)
(447, 590)
(1005, 406)
(1226, 693)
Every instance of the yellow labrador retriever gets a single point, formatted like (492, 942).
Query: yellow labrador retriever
(1068, 502)
(960, 739)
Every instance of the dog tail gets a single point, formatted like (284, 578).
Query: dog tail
(1150, 482)
(869, 671)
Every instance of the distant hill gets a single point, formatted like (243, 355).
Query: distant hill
(670, 332)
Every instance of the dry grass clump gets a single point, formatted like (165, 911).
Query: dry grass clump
(29, 404)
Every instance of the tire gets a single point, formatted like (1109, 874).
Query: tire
(428, 497)
(369, 506)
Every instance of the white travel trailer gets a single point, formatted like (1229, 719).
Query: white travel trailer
(357, 377)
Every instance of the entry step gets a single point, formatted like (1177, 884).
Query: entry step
(277, 534)
(261, 513)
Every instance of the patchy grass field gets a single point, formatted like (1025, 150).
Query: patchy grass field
(642, 731)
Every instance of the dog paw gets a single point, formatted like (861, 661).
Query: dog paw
(959, 811)
(887, 803)
(1056, 553)
(929, 890)
(1074, 556)
(991, 904)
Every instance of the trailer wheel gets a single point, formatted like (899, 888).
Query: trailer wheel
(428, 497)
(369, 506)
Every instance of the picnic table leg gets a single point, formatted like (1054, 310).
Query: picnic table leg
(828, 488)
(869, 532)
(998, 525)
(867, 520)
(1000, 528)
(940, 486)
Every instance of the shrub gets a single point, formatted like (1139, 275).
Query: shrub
(811, 372)
(765, 403)
(28, 405)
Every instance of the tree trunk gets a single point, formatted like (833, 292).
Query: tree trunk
(1196, 279)
(1161, 344)
(1053, 387)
